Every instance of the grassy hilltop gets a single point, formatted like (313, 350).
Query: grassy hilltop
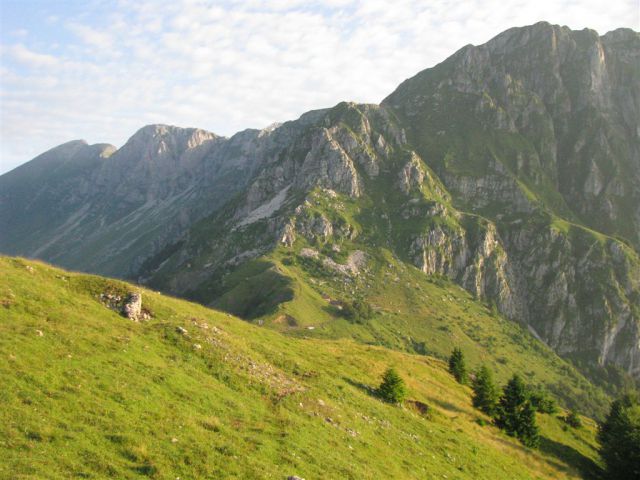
(88, 393)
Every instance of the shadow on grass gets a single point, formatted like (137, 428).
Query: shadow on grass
(368, 389)
(586, 466)
(514, 443)
(446, 405)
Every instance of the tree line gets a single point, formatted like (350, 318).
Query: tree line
(513, 409)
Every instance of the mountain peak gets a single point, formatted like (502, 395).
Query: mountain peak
(159, 139)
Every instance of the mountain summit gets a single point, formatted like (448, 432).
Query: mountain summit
(511, 168)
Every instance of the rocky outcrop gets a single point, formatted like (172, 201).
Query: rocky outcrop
(412, 175)
(328, 165)
(476, 260)
(132, 308)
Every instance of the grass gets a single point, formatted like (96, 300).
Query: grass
(88, 393)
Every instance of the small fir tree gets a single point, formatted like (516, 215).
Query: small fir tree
(392, 389)
(516, 414)
(619, 438)
(485, 392)
(457, 365)
(528, 431)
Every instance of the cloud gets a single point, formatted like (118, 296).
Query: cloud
(30, 58)
(225, 66)
(92, 37)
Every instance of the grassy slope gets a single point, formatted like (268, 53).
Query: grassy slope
(421, 314)
(100, 396)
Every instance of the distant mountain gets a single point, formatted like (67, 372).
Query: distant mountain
(511, 168)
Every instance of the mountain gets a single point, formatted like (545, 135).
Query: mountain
(511, 169)
(189, 392)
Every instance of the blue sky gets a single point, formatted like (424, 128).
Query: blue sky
(100, 70)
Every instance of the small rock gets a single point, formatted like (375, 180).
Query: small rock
(39, 333)
(294, 477)
(174, 440)
(197, 346)
(182, 331)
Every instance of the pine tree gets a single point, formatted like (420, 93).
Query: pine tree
(516, 415)
(528, 431)
(457, 365)
(485, 392)
(619, 437)
(392, 389)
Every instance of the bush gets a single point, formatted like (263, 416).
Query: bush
(619, 437)
(457, 365)
(357, 311)
(573, 420)
(542, 401)
(392, 389)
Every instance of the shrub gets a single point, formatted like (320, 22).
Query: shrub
(542, 401)
(392, 389)
(357, 311)
(573, 420)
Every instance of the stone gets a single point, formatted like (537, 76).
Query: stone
(132, 309)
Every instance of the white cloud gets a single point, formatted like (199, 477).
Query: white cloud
(238, 64)
(91, 36)
(30, 58)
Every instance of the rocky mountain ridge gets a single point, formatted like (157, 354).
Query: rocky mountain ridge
(513, 168)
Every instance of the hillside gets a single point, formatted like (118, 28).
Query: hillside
(191, 392)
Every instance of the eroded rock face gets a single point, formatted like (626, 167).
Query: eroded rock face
(328, 165)
(412, 175)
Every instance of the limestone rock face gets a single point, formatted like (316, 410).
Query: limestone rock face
(412, 175)
(328, 165)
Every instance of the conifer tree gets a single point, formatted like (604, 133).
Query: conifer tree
(528, 431)
(485, 392)
(513, 397)
(392, 389)
(457, 365)
(516, 415)
(619, 437)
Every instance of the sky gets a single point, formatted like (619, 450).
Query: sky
(101, 69)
